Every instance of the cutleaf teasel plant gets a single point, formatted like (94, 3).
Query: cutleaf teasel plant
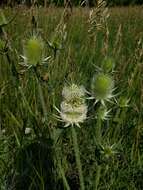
(73, 112)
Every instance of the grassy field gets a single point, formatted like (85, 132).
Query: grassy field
(36, 151)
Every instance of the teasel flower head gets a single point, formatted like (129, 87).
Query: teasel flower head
(103, 113)
(73, 114)
(123, 102)
(109, 150)
(102, 87)
(34, 52)
(73, 108)
(73, 92)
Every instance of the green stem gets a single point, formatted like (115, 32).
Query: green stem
(120, 119)
(63, 177)
(97, 177)
(77, 156)
(98, 135)
(98, 131)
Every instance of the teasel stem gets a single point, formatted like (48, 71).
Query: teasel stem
(98, 131)
(77, 157)
(41, 95)
(98, 135)
(97, 177)
(65, 182)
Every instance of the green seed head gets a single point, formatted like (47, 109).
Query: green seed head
(102, 87)
(33, 51)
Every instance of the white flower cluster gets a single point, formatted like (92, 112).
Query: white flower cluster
(73, 107)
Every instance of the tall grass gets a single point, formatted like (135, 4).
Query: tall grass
(36, 151)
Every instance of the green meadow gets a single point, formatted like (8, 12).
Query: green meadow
(37, 151)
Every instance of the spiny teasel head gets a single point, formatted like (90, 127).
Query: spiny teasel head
(103, 113)
(34, 51)
(73, 109)
(123, 102)
(98, 17)
(73, 114)
(102, 87)
(109, 151)
(73, 91)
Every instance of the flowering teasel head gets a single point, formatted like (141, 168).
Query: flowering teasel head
(73, 92)
(73, 114)
(73, 108)
(102, 87)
